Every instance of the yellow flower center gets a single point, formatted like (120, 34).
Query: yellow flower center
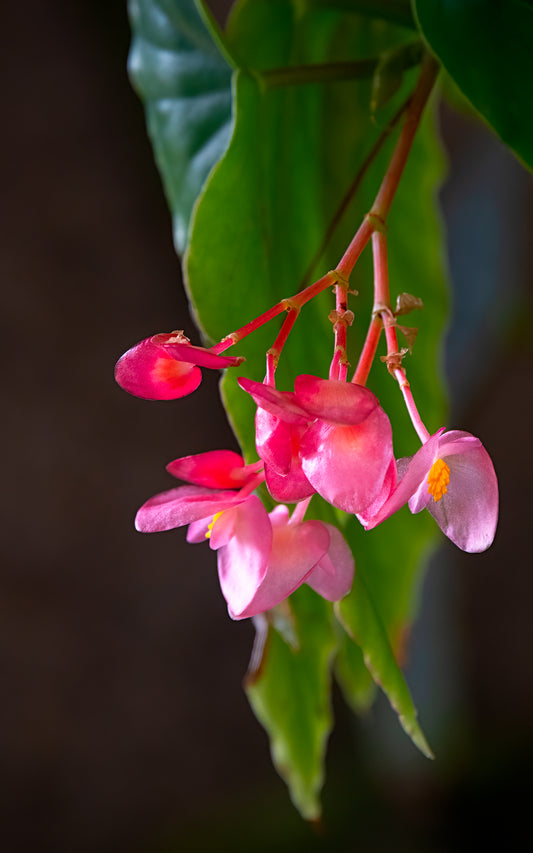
(438, 479)
(210, 526)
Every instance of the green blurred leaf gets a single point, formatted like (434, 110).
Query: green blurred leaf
(361, 618)
(486, 47)
(186, 88)
(291, 698)
(396, 11)
(355, 680)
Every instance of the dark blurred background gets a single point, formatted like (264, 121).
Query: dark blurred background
(123, 726)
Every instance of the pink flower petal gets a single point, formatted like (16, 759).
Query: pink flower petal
(177, 507)
(389, 484)
(332, 577)
(347, 464)
(334, 401)
(468, 512)
(295, 551)
(289, 488)
(147, 371)
(216, 469)
(180, 349)
(413, 473)
(282, 404)
(243, 561)
(197, 530)
(273, 441)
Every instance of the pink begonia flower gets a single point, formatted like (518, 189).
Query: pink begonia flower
(166, 366)
(343, 438)
(280, 424)
(453, 477)
(261, 558)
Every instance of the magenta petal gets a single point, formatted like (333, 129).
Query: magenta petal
(147, 371)
(468, 512)
(180, 506)
(295, 551)
(196, 355)
(216, 469)
(334, 401)
(347, 464)
(282, 404)
(273, 441)
(243, 562)
(290, 487)
(332, 578)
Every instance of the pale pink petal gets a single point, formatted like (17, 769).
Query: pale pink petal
(216, 469)
(279, 516)
(347, 464)
(197, 530)
(468, 512)
(147, 371)
(243, 561)
(282, 404)
(222, 526)
(456, 441)
(332, 577)
(412, 474)
(180, 506)
(295, 550)
(389, 484)
(334, 401)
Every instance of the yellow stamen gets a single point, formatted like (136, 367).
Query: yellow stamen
(210, 526)
(438, 479)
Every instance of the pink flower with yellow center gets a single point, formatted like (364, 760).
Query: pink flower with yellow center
(452, 476)
(261, 558)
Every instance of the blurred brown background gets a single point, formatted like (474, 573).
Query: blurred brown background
(123, 726)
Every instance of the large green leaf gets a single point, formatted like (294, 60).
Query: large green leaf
(185, 86)
(362, 620)
(291, 698)
(485, 45)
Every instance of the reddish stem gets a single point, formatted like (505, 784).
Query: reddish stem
(368, 352)
(373, 221)
(275, 350)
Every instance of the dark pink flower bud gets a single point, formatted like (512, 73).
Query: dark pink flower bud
(165, 367)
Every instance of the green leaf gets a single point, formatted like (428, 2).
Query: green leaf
(396, 11)
(290, 697)
(355, 680)
(485, 45)
(361, 619)
(186, 88)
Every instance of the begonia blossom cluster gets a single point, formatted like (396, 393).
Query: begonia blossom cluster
(328, 437)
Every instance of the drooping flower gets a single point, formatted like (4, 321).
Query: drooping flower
(343, 438)
(261, 558)
(166, 366)
(453, 477)
(279, 427)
